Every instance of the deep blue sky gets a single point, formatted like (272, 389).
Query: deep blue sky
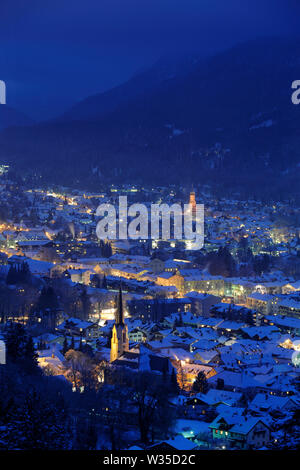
(56, 52)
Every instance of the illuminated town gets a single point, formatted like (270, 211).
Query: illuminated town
(209, 339)
(149, 232)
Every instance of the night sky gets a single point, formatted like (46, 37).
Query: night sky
(56, 52)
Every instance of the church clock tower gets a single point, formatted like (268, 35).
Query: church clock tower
(119, 339)
(192, 202)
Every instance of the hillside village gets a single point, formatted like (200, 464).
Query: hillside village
(217, 329)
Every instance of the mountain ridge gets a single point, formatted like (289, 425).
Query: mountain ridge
(12, 117)
(228, 121)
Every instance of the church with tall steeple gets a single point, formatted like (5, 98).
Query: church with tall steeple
(119, 339)
(140, 357)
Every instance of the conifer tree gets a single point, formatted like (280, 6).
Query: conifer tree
(200, 384)
(104, 282)
(65, 346)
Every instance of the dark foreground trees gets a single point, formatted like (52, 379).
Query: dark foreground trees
(200, 384)
(110, 408)
(33, 414)
(20, 348)
(34, 422)
(155, 414)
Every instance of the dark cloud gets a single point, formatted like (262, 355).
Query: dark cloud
(56, 52)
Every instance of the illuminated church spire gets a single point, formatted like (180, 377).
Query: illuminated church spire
(120, 311)
(119, 339)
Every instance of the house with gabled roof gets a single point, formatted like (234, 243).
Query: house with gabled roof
(241, 431)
